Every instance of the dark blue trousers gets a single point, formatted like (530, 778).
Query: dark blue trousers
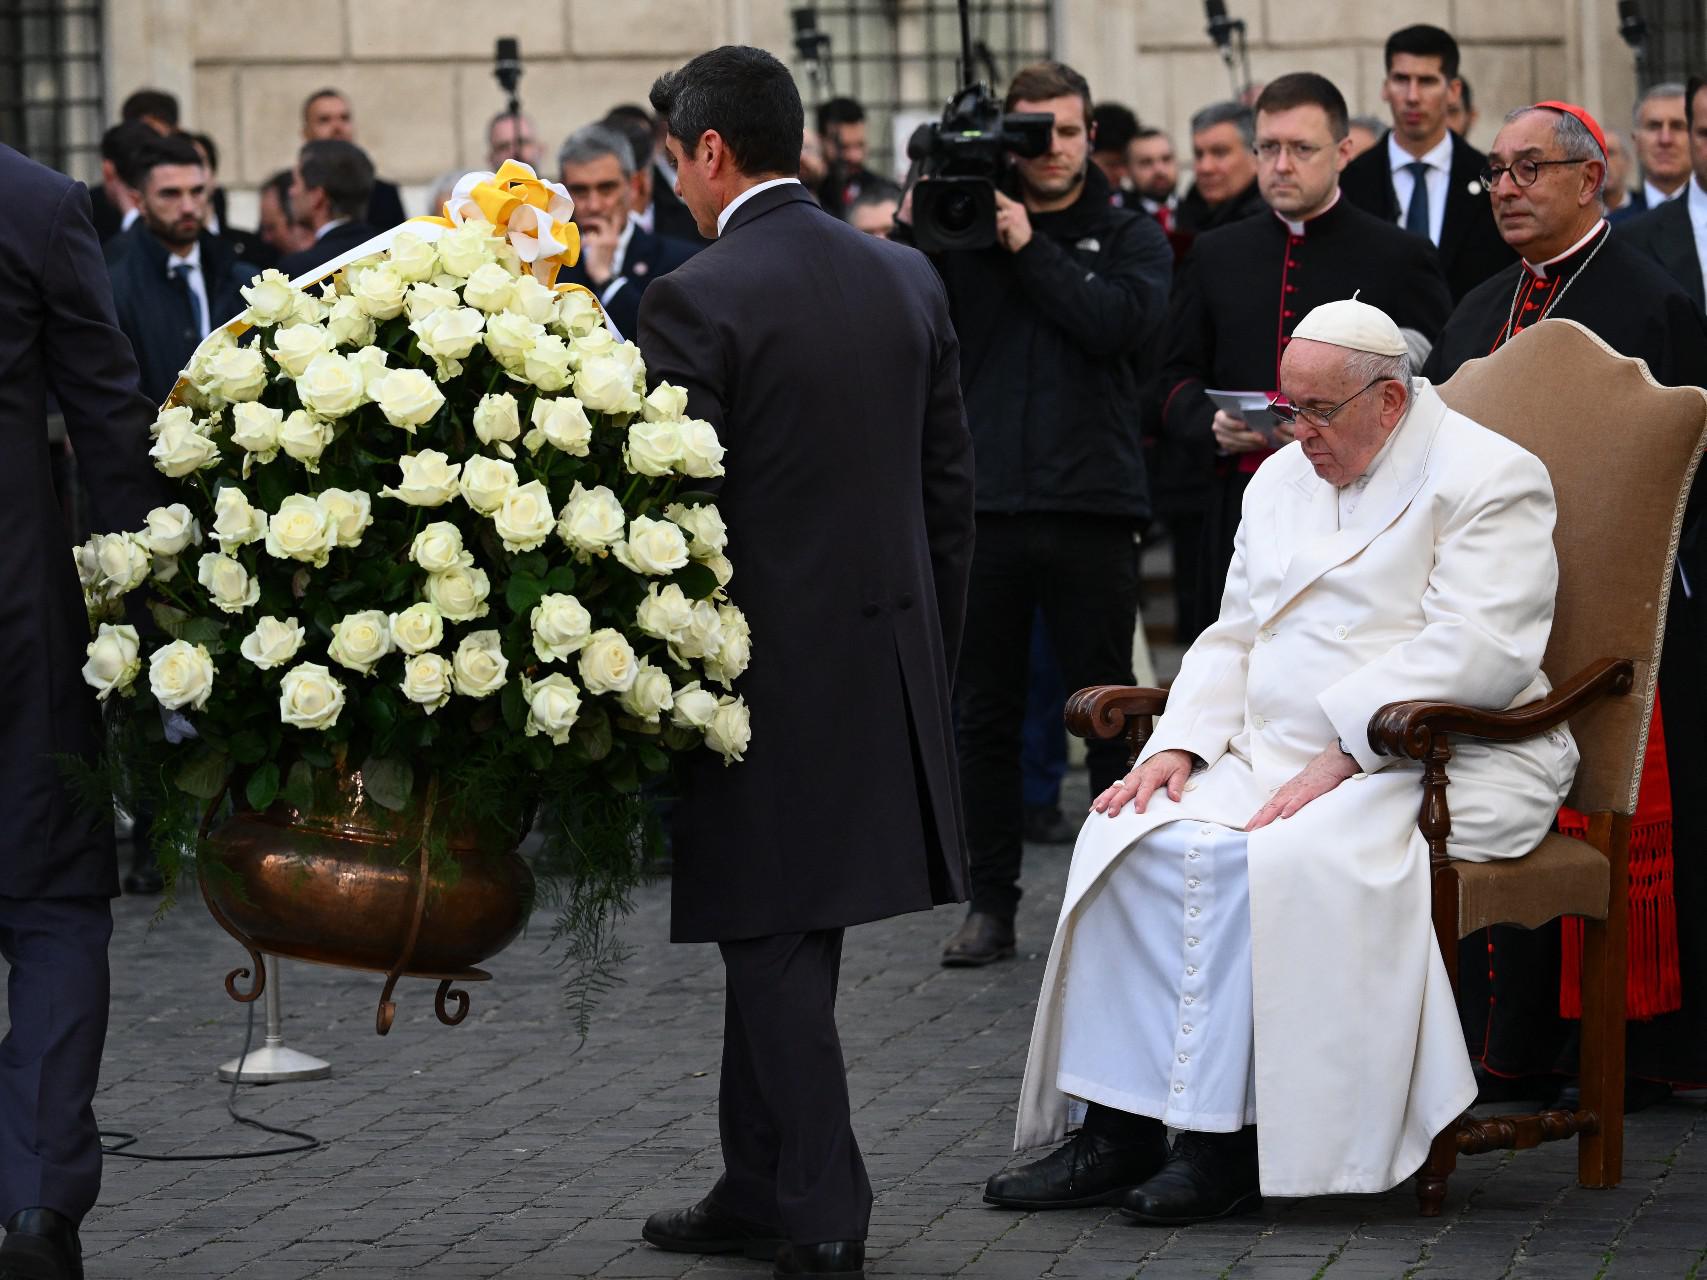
(50, 1060)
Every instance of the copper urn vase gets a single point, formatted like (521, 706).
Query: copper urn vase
(348, 882)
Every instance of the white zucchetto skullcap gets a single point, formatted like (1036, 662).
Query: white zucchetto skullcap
(1353, 324)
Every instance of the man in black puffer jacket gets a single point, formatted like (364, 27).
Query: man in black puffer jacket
(1057, 326)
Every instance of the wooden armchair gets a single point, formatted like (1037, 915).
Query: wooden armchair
(1621, 451)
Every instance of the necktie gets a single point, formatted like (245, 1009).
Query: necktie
(181, 272)
(1416, 217)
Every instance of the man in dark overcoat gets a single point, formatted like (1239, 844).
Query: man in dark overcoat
(57, 870)
(826, 361)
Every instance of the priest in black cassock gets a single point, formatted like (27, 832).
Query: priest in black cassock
(1244, 287)
(1546, 171)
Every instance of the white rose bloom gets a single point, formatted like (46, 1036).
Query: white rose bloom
(169, 530)
(360, 640)
(310, 697)
(255, 429)
(301, 530)
(123, 559)
(235, 374)
(650, 695)
(704, 634)
(273, 643)
(449, 336)
(534, 300)
(561, 423)
(490, 288)
(182, 447)
(730, 730)
(629, 354)
(592, 520)
(438, 547)
(719, 565)
(408, 398)
(509, 337)
(351, 512)
(379, 291)
(215, 342)
(297, 344)
(693, 708)
(608, 664)
(413, 258)
(561, 626)
(348, 325)
(176, 416)
(702, 451)
(236, 522)
(736, 649)
(479, 667)
(665, 613)
(578, 312)
(427, 681)
(424, 299)
(653, 547)
(271, 298)
(180, 674)
(554, 703)
(486, 481)
(227, 582)
(88, 564)
(418, 629)
(429, 479)
(371, 362)
(114, 661)
(460, 593)
(464, 250)
(710, 534)
(605, 384)
(309, 309)
(653, 448)
(595, 342)
(546, 363)
(666, 404)
(332, 386)
(304, 437)
(524, 520)
(497, 420)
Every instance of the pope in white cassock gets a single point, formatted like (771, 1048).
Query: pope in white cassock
(1245, 952)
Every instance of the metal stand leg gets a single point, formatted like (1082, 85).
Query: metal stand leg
(274, 1062)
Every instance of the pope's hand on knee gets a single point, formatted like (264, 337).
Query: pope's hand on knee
(1165, 769)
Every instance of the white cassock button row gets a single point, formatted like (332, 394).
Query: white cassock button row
(1184, 1058)
(1340, 633)
(1189, 999)
(1186, 1029)
(1193, 912)
(1191, 942)
(1257, 723)
(1179, 1088)
(1191, 971)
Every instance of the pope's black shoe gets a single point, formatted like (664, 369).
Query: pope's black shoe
(710, 1228)
(983, 939)
(1101, 1164)
(843, 1258)
(1209, 1175)
(41, 1244)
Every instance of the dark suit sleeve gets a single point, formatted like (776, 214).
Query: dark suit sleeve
(681, 346)
(948, 479)
(1108, 312)
(92, 371)
(385, 206)
(1186, 412)
(1428, 301)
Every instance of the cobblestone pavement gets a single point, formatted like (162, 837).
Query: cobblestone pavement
(500, 1149)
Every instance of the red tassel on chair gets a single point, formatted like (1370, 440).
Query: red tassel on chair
(1652, 986)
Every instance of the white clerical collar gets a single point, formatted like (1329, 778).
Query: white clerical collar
(1439, 156)
(748, 194)
(1655, 196)
(1297, 228)
(320, 234)
(1539, 269)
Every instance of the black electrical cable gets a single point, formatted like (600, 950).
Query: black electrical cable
(306, 1141)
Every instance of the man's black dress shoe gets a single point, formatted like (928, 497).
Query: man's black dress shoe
(1095, 1167)
(982, 940)
(709, 1228)
(1048, 826)
(844, 1258)
(1209, 1175)
(41, 1244)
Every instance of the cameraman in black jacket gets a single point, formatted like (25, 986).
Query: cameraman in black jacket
(1057, 324)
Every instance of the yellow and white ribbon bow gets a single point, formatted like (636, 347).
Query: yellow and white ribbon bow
(533, 214)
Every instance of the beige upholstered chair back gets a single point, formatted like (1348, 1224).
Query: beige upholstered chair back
(1621, 450)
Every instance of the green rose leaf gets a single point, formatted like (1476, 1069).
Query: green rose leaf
(248, 747)
(561, 579)
(263, 787)
(652, 759)
(534, 564)
(298, 790)
(389, 781)
(203, 774)
(524, 592)
(201, 631)
(314, 757)
(696, 581)
(168, 619)
(515, 706)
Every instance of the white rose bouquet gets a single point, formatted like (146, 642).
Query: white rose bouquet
(427, 518)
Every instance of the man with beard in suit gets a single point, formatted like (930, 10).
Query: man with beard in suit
(826, 360)
(329, 193)
(1421, 174)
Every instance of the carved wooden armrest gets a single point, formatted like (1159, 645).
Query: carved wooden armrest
(1410, 728)
(1115, 710)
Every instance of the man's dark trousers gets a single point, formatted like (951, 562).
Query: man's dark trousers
(1081, 571)
(789, 1155)
(50, 1060)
